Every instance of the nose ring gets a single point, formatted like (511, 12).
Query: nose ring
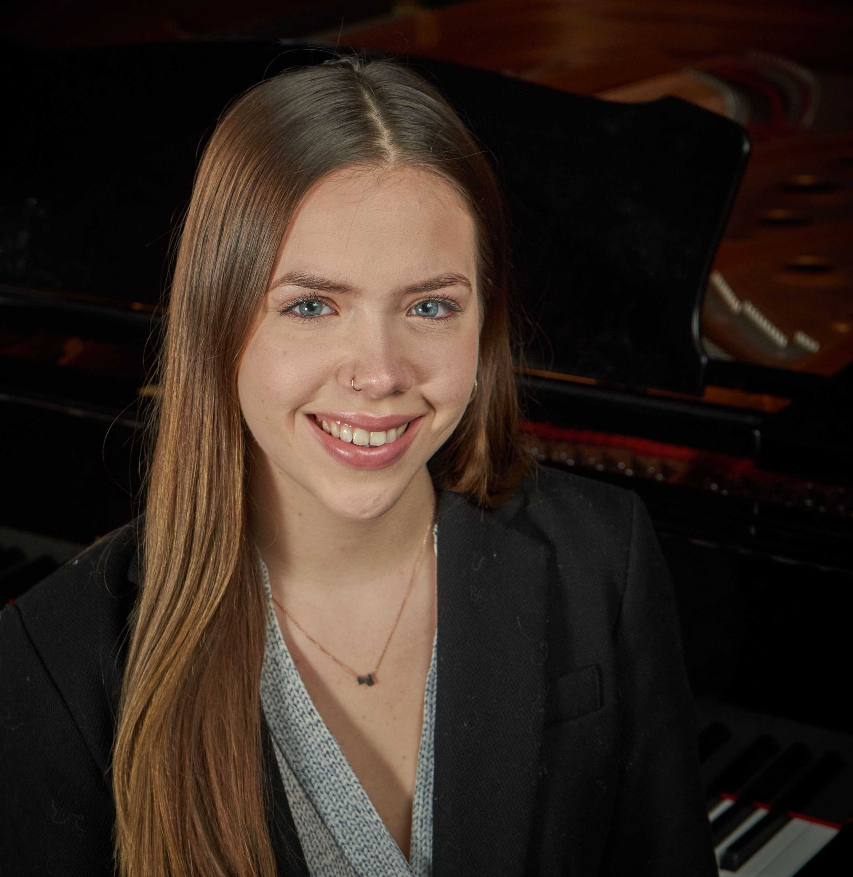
(352, 384)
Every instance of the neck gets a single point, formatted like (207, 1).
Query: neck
(306, 546)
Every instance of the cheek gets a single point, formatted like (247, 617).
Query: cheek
(252, 383)
(274, 377)
(452, 370)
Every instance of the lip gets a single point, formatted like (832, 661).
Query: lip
(358, 457)
(366, 421)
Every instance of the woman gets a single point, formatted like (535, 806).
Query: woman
(355, 632)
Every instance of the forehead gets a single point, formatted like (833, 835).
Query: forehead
(380, 225)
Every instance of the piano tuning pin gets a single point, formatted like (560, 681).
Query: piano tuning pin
(810, 183)
(808, 263)
(783, 216)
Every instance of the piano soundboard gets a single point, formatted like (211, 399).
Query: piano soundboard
(779, 794)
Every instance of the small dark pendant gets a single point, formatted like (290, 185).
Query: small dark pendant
(366, 680)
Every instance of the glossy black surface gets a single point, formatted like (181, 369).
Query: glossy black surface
(616, 209)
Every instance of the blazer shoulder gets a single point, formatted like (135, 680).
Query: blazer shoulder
(591, 532)
(97, 575)
(561, 504)
(60, 673)
(72, 628)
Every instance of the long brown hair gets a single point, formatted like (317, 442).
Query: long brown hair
(188, 776)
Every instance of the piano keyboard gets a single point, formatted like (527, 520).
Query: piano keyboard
(779, 794)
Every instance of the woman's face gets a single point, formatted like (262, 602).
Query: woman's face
(375, 280)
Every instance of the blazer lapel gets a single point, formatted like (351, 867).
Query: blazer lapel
(99, 613)
(491, 607)
(490, 696)
(289, 857)
(87, 602)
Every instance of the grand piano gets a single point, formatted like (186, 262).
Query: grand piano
(617, 211)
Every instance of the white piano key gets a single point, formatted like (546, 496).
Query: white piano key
(807, 843)
(743, 827)
(720, 808)
(786, 852)
(772, 852)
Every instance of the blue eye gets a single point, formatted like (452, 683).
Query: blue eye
(306, 309)
(310, 308)
(430, 308)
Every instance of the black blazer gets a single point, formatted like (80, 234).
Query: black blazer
(565, 738)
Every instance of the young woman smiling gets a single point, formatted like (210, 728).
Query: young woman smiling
(356, 631)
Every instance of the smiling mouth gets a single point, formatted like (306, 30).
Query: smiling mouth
(357, 436)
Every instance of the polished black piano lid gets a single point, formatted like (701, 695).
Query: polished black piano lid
(616, 209)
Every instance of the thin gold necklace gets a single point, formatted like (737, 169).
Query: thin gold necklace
(370, 678)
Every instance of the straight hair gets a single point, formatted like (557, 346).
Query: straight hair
(191, 791)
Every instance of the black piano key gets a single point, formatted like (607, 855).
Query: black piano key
(796, 799)
(752, 840)
(730, 820)
(814, 781)
(711, 739)
(834, 859)
(742, 769)
(766, 788)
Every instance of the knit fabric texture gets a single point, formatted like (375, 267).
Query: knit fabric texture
(339, 829)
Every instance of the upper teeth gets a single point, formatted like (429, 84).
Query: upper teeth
(359, 436)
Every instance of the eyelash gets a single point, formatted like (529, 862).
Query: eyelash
(451, 303)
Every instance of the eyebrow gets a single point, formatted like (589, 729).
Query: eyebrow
(322, 284)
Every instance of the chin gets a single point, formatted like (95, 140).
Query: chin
(360, 503)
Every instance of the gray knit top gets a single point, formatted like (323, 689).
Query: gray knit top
(339, 829)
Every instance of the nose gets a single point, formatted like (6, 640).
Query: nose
(378, 362)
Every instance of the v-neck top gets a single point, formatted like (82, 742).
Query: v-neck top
(341, 833)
